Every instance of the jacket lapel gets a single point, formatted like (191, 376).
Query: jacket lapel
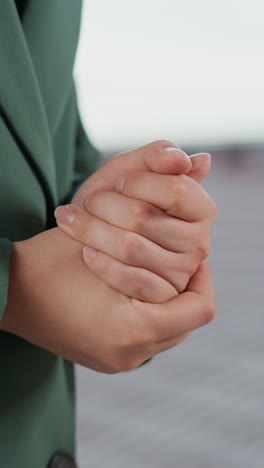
(20, 96)
(51, 28)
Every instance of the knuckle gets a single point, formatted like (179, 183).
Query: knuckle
(82, 227)
(141, 214)
(191, 266)
(141, 285)
(179, 185)
(101, 264)
(182, 281)
(186, 265)
(178, 189)
(210, 311)
(130, 246)
(212, 209)
(90, 200)
(203, 248)
(130, 183)
(93, 199)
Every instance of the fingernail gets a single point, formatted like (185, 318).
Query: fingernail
(171, 151)
(89, 253)
(66, 214)
(199, 159)
(120, 184)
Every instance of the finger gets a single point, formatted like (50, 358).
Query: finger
(201, 166)
(143, 218)
(125, 246)
(201, 283)
(131, 281)
(149, 351)
(179, 196)
(188, 311)
(164, 345)
(161, 156)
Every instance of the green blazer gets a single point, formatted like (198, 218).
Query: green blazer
(43, 152)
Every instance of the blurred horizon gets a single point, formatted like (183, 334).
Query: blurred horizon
(184, 71)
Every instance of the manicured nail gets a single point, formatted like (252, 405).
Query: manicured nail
(120, 184)
(171, 151)
(199, 159)
(89, 253)
(66, 214)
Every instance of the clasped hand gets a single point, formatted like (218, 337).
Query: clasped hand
(148, 232)
(149, 221)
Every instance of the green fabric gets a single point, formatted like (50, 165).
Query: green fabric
(43, 150)
(5, 258)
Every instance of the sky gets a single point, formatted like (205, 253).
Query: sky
(188, 71)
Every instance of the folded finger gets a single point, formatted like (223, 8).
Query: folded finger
(165, 345)
(178, 195)
(188, 311)
(125, 246)
(142, 218)
(132, 281)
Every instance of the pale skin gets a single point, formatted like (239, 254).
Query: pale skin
(150, 230)
(75, 313)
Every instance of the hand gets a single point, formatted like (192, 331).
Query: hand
(161, 156)
(143, 251)
(69, 311)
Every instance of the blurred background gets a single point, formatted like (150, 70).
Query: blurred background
(191, 72)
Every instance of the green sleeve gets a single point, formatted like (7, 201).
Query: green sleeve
(5, 260)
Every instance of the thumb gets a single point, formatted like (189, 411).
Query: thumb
(161, 156)
(201, 165)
